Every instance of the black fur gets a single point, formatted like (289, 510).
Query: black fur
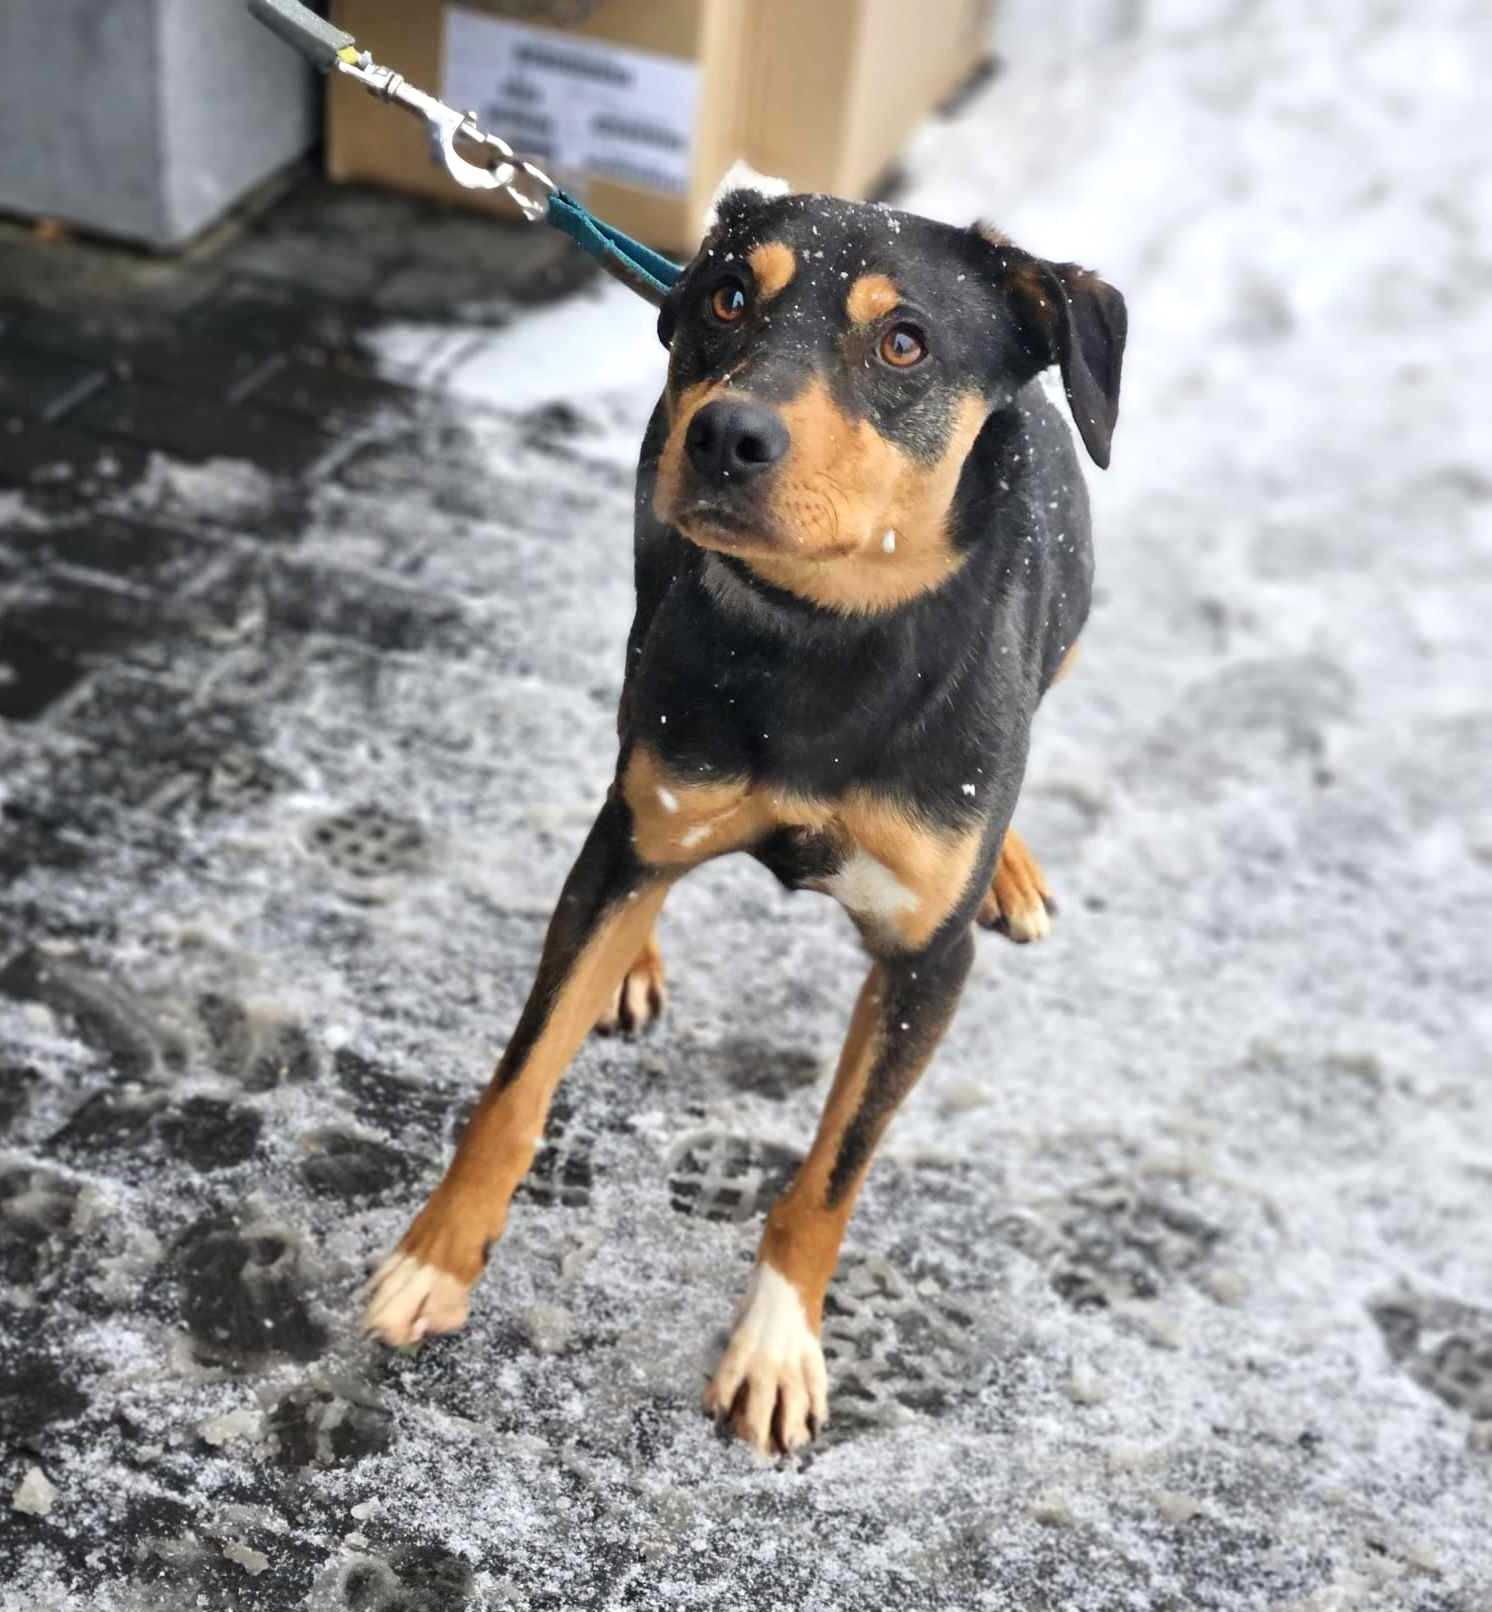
(934, 696)
(927, 703)
(940, 692)
(862, 718)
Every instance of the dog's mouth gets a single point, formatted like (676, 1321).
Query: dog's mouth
(715, 523)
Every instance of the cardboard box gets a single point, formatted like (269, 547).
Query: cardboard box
(641, 105)
(836, 87)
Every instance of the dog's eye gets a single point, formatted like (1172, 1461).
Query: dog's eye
(902, 346)
(728, 302)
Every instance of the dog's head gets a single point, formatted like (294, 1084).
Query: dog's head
(832, 364)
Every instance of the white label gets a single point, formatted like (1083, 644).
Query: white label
(575, 104)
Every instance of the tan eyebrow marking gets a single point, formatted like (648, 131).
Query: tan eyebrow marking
(774, 264)
(871, 296)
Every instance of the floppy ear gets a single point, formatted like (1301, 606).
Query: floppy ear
(668, 314)
(668, 309)
(1091, 354)
(1077, 321)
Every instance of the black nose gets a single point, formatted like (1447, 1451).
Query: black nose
(731, 441)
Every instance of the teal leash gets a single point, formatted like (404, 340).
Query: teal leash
(651, 275)
(648, 273)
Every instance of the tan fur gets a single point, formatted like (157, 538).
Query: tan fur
(935, 866)
(840, 489)
(1066, 664)
(803, 1231)
(1027, 280)
(641, 996)
(679, 823)
(469, 1208)
(871, 297)
(705, 818)
(680, 408)
(1018, 899)
(774, 264)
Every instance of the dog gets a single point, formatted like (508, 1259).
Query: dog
(862, 557)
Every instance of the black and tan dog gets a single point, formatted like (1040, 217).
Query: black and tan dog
(862, 556)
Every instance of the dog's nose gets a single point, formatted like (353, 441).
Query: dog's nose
(731, 441)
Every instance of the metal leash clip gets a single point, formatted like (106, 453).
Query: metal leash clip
(648, 273)
(332, 50)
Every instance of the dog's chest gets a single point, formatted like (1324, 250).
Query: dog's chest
(896, 876)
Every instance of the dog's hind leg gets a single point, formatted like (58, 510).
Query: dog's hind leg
(638, 1002)
(1017, 904)
(771, 1383)
(604, 918)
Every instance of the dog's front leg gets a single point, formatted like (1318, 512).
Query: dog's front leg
(771, 1381)
(605, 914)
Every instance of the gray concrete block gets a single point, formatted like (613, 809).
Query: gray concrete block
(144, 119)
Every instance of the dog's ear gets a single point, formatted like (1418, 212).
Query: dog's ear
(668, 309)
(1091, 352)
(1069, 317)
(668, 313)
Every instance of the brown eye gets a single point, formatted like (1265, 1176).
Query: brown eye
(728, 302)
(902, 346)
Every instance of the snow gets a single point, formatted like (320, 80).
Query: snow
(34, 1494)
(253, 1562)
(238, 1424)
(589, 346)
(1173, 1283)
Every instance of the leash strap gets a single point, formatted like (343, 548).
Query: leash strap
(320, 43)
(651, 275)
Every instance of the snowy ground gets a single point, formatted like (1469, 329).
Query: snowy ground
(1173, 1286)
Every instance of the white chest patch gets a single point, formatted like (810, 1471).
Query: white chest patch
(870, 890)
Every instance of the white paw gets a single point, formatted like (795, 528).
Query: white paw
(1028, 920)
(408, 1299)
(1017, 908)
(771, 1384)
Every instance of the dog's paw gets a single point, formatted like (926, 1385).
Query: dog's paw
(771, 1386)
(639, 999)
(408, 1299)
(1017, 904)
